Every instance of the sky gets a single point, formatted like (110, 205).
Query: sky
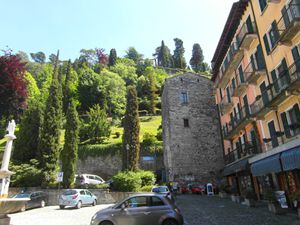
(71, 25)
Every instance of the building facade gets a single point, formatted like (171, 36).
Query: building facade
(192, 144)
(256, 71)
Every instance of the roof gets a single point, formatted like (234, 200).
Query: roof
(231, 25)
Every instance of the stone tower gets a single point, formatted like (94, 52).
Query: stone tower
(191, 133)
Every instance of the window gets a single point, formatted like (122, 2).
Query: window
(291, 121)
(280, 77)
(271, 37)
(136, 202)
(184, 98)
(262, 4)
(155, 201)
(185, 122)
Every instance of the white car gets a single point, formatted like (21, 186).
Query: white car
(86, 179)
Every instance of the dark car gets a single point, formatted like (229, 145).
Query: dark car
(38, 199)
(145, 209)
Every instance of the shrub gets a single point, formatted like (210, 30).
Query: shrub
(127, 181)
(147, 178)
(117, 134)
(98, 186)
(85, 151)
(26, 175)
(146, 188)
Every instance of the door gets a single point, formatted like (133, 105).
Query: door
(249, 25)
(89, 197)
(273, 135)
(136, 212)
(246, 106)
(157, 209)
(264, 93)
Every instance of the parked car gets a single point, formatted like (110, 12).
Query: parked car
(76, 198)
(86, 179)
(163, 190)
(37, 199)
(184, 190)
(197, 189)
(146, 209)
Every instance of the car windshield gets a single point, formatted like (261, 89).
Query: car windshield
(160, 189)
(23, 195)
(69, 192)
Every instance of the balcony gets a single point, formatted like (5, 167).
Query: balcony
(286, 85)
(232, 60)
(238, 123)
(247, 35)
(240, 88)
(254, 71)
(274, 1)
(246, 150)
(289, 24)
(226, 105)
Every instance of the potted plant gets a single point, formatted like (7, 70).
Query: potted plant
(250, 197)
(295, 198)
(234, 194)
(224, 190)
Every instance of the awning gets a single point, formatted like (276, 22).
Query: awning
(291, 159)
(235, 167)
(267, 165)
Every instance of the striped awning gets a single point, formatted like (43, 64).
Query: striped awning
(268, 165)
(235, 167)
(291, 159)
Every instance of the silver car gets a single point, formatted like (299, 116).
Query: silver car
(76, 198)
(141, 209)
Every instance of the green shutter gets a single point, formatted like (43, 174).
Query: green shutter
(285, 124)
(266, 44)
(275, 32)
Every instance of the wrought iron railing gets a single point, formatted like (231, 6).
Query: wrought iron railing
(252, 67)
(245, 29)
(247, 149)
(292, 13)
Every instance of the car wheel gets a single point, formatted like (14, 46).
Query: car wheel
(94, 203)
(106, 223)
(42, 204)
(61, 206)
(78, 206)
(170, 222)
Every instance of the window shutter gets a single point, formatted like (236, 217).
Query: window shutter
(260, 58)
(266, 43)
(285, 124)
(297, 112)
(275, 31)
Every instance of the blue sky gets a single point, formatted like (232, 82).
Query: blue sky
(70, 25)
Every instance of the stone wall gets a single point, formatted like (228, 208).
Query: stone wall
(193, 153)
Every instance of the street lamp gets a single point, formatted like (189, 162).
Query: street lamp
(127, 155)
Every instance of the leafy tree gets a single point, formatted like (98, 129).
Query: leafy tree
(102, 56)
(131, 124)
(126, 70)
(49, 145)
(90, 89)
(133, 54)
(13, 90)
(23, 56)
(112, 60)
(38, 57)
(88, 57)
(178, 56)
(32, 89)
(52, 58)
(98, 127)
(197, 58)
(69, 154)
(26, 145)
(142, 65)
(152, 92)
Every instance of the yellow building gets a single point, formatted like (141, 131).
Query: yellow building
(256, 70)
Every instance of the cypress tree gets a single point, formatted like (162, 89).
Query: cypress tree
(197, 58)
(49, 145)
(152, 92)
(112, 57)
(164, 56)
(178, 56)
(131, 124)
(69, 154)
(67, 91)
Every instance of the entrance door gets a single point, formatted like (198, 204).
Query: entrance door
(273, 135)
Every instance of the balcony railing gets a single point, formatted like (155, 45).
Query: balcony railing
(289, 24)
(241, 87)
(288, 83)
(254, 71)
(246, 150)
(242, 118)
(232, 60)
(246, 35)
(226, 104)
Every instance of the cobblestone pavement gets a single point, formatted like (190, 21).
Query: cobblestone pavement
(52, 215)
(212, 210)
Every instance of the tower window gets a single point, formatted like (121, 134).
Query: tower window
(185, 122)
(184, 98)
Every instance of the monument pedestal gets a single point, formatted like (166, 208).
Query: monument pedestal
(4, 219)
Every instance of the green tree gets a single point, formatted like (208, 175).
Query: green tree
(152, 90)
(98, 127)
(131, 124)
(88, 57)
(164, 56)
(133, 54)
(178, 56)
(112, 59)
(49, 145)
(38, 57)
(32, 88)
(126, 70)
(197, 58)
(69, 154)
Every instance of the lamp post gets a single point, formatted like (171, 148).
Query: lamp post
(127, 155)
